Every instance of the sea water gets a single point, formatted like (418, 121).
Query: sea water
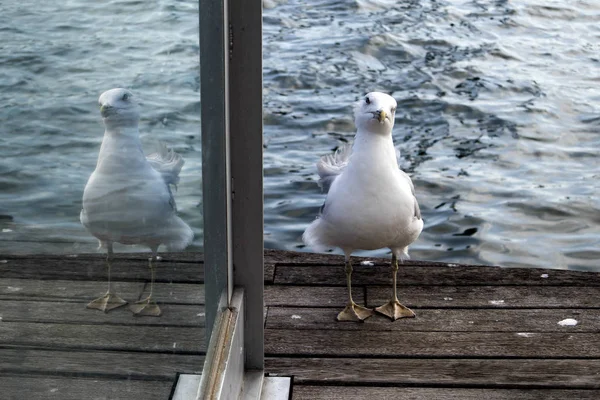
(498, 119)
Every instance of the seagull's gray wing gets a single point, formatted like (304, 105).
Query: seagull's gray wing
(168, 163)
(417, 210)
(330, 166)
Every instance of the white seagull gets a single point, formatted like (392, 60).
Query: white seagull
(371, 203)
(128, 199)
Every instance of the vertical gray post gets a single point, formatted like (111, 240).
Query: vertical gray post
(215, 154)
(245, 96)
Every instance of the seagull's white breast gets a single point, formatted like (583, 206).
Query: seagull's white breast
(125, 199)
(371, 204)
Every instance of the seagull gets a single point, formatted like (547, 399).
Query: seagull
(370, 203)
(128, 197)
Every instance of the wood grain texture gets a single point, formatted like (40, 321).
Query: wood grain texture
(525, 296)
(390, 393)
(534, 297)
(110, 364)
(441, 320)
(77, 313)
(190, 257)
(312, 296)
(481, 332)
(103, 337)
(413, 274)
(557, 374)
(283, 257)
(344, 343)
(66, 388)
(83, 268)
(176, 293)
(269, 270)
(173, 267)
(65, 290)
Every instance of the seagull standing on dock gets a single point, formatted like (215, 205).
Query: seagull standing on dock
(128, 198)
(371, 203)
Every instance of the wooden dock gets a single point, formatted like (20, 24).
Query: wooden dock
(480, 332)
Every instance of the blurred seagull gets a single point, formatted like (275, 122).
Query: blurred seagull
(371, 203)
(128, 197)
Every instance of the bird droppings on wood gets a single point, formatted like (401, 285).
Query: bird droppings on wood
(568, 322)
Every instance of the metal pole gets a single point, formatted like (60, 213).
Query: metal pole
(245, 97)
(216, 180)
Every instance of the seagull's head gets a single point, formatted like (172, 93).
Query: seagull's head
(375, 113)
(119, 108)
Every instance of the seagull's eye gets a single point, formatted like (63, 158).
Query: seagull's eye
(367, 100)
(394, 109)
(126, 97)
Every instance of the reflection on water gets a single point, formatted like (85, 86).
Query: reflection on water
(128, 198)
(57, 59)
(497, 120)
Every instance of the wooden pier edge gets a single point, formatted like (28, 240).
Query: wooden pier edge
(480, 331)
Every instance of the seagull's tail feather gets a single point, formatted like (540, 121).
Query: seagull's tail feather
(331, 165)
(167, 162)
(314, 236)
(180, 235)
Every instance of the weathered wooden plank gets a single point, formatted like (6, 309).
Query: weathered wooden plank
(489, 296)
(104, 337)
(77, 313)
(438, 296)
(63, 290)
(286, 257)
(476, 327)
(269, 271)
(95, 269)
(444, 320)
(311, 296)
(392, 393)
(557, 374)
(176, 293)
(60, 290)
(190, 257)
(126, 365)
(87, 267)
(412, 274)
(64, 388)
(431, 344)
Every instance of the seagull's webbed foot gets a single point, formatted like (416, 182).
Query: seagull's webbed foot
(146, 307)
(110, 300)
(354, 312)
(107, 302)
(395, 310)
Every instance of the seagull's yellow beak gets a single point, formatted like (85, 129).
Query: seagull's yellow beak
(382, 115)
(105, 110)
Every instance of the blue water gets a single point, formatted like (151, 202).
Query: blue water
(498, 120)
